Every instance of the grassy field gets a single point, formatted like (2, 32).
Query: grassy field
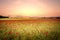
(37, 29)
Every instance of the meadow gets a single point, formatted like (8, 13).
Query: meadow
(40, 29)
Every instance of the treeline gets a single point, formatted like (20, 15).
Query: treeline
(51, 17)
(3, 16)
(34, 17)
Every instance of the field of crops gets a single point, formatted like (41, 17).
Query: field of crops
(48, 29)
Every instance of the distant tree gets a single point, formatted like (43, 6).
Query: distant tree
(57, 17)
(3, 16)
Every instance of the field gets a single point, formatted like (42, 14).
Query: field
(37, 29)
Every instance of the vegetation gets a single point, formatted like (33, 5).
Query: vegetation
(3, 16)
(30, 30)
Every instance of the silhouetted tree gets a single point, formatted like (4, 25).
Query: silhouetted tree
(57, 17)
(3, 16)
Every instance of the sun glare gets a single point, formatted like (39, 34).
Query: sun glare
(29, 11)
(26, 11)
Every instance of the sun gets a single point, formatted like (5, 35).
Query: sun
(29, 11)
(25, 11)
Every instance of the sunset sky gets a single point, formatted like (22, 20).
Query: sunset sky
(34, 8)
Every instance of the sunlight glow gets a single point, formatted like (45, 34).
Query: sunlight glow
(29, 11)
(26, 11)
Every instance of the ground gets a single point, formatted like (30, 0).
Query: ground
(37, 29)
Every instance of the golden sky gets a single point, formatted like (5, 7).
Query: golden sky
(39, 8)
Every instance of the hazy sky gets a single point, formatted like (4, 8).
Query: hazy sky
(30, 7)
